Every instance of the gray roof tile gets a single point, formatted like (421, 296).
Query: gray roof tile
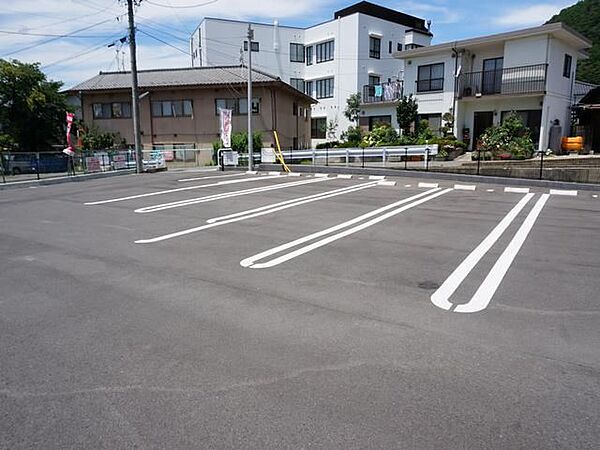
(196, 76)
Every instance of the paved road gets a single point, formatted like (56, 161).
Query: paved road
(293, 325)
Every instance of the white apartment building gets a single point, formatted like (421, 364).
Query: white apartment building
(351, 53)
(480, 80)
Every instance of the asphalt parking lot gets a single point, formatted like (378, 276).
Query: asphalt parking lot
(263, 311)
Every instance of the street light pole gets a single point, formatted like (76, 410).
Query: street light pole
(135, 100)
(249, 105)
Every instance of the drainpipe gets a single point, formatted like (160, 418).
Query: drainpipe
(456, 54)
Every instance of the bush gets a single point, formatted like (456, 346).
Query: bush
(511, 137)
(353, 136)
(239, 141)
(331, 144)
(382, 134)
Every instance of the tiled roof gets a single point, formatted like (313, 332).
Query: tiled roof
(196, 76)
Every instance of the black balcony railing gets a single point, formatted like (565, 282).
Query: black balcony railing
(508, 81)
(384, 92)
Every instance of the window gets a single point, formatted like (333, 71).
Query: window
(238, 106)
(374, 47)
(390, 46)
(375, 121)
(115, 110)
(297, 83)
(296, 52)
(318, 127)
(434, 121)
(325, 51)
(172, 108)
(308, 88)
(374, 80)
(567, 66)
(255, 46)
(431, 78)
(399, 47)
(294, 109)
(324, 88)
(309, 55)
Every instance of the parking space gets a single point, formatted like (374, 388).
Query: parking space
(277, 290)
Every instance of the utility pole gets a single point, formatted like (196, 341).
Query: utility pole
(135, 103)
(250, 140)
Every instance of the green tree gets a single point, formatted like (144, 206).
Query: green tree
(239, 141)
(95, 139)
(352, 111)
(32, 110)
(584, 17)
(406, 113)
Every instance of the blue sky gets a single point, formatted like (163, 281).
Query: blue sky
(171, 21)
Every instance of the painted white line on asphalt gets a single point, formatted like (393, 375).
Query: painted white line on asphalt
(595, 195)
(224, 195)
(517, 190)
(187, 188)
(465, 187)
(321, 175)
(488, 288)
(294, 174)
(489, 190)
(296, 201)
(250, 214)
(428, 185)
(212, 176)
(274, 173)
(376, 177)
(440, 298)
(345, 176)
(563, 192)
(412, 201)
(408, 185)
(251, 172)
(386, 183)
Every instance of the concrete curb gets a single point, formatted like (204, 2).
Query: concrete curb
(61, 180)
(503, 181)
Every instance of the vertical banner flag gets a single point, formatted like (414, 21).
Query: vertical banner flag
(226, 127)
(69, 150)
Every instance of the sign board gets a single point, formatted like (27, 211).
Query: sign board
(93, 164)
(230, 158)
(225, 116)
(267, 155)
(120, 161)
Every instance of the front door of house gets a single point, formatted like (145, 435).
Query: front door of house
(492, 76)
(482, 120)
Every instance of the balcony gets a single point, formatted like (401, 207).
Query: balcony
(382, 93)
(508, 81)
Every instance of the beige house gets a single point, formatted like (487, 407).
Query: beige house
(180, 107)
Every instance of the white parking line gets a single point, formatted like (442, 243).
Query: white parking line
(440, 298)
(386, 183)
(376, 177)
(251, 172)
(345, 176)
(428, 185)
(212, 176)
(187, 188)
(274, 173)
(517, 190)
(408, 185)
(297, 201)
(408, 203)
(252, 213)
(465, 187)
(321, 175)
(563, 192)
(294, 174)
(489, 190)
(488, 288)
(212, 198)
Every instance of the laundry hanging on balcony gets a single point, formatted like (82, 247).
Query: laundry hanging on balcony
(378, 90)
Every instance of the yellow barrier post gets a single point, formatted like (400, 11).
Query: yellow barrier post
(279, 154)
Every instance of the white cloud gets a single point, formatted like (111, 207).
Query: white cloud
(437, 12)
(530, 15)
(64, 16)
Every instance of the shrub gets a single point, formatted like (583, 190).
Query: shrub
(382, 134)
(239, 141)
(330, 144)
(512, 136)
(353, 136)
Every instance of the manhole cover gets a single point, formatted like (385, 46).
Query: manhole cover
(429, 285)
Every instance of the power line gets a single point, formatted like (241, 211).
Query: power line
(47, 41)
(164, 42)
(52, 35)
(160, 5)
(95, 47)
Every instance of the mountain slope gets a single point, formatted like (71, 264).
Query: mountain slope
(584, 16)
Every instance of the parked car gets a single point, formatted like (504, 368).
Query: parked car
(18, 163)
